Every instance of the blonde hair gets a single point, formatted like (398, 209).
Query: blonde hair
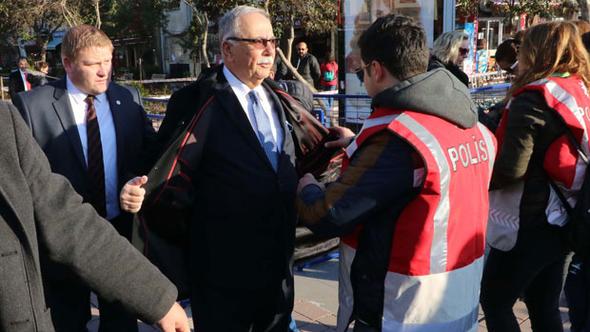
(446, 46)
(549, 48)
(81, 37)
(583, 26)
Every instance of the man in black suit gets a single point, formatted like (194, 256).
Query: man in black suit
(92, 131)
(242, 229)
(18, 79)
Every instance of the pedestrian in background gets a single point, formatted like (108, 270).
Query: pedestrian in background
(40, 77)
(307, 64)
(19, 78)
(507, 55)
(449, 51)
(329, 76)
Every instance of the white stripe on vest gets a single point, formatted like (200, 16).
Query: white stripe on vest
(487, 136)
(565, 98)
(369, 123)
(427, 308)
(438, 252)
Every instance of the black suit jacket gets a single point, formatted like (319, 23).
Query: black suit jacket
(243, 226)
(15, 83)
(40, 214)
(47, 111)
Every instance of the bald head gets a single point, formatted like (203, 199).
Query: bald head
(301, 49)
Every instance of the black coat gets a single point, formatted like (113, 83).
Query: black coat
(41, 213)
(434, 63)
(242, 228)
(15, 83)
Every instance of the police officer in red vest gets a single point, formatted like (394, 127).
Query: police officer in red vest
(412, 202)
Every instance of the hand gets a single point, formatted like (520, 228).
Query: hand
(306, 180)
(132, 194)
(175, 320)
(345, 136)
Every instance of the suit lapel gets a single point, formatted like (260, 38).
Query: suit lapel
(231, 105)
(116, 105)
(62, 107)
(287, 147)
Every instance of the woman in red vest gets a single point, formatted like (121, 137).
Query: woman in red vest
(525, 228)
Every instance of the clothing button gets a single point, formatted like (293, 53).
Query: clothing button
(9, 253)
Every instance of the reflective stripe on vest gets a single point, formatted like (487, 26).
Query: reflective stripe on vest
(432, 284)
(569, 97)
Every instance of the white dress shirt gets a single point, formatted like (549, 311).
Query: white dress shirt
(241, 91)
(24, 78)
(108, 139)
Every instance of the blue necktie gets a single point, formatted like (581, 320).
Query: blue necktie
(261, 125)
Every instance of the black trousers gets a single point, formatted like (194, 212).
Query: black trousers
(217, 309)
(69, 301)
(577, 293)
(533, 268)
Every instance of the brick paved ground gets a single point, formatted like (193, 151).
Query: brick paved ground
(316, 291)
(316, 302)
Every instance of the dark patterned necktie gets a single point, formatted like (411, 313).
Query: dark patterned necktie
(95, 163)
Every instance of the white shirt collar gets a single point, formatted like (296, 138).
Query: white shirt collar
(238, 86)
(78, 96)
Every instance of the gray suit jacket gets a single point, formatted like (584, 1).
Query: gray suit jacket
(41, 213)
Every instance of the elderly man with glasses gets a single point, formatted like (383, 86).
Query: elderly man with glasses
(241, 224)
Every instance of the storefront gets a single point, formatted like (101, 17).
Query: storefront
(436, 16)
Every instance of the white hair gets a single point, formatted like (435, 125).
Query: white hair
(446, 46)
(229, 23)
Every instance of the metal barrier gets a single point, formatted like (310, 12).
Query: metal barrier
(483, 97)
(488, 96)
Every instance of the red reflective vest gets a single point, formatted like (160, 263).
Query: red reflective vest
(569, 97)
(436, 258)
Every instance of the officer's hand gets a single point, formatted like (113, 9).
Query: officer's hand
(345, 136)
(132, 194)
(175, 320)
(306, 180)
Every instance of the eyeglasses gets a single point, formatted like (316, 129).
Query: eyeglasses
(258, 42)
(360, 72)
(463, 51)
(509, 70)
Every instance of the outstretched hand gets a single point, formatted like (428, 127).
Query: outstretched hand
(175, 320)
(306, 180)
(132, 194)
(345, 136)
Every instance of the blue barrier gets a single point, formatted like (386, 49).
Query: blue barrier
(501, 86)
(496, 88)
(320, 259)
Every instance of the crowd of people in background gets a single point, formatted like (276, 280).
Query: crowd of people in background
(439, 207)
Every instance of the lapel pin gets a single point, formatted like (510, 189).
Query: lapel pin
(118, 102)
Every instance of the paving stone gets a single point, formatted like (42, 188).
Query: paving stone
(310, 310)
(300, 319)
(328, 320)
(313, 327)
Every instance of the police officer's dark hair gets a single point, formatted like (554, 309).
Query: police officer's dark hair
(399, 43)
